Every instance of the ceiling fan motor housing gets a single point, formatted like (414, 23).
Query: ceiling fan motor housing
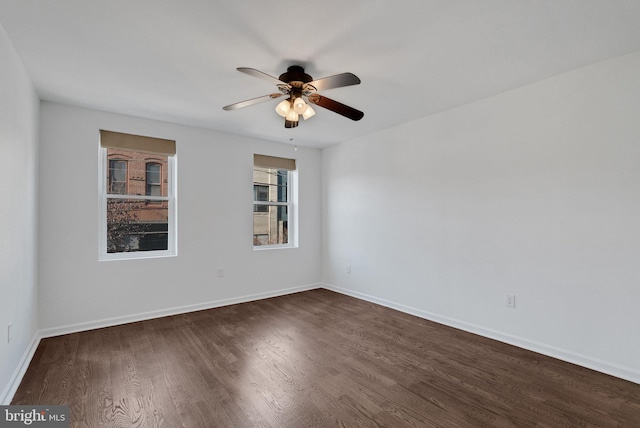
(295, 73)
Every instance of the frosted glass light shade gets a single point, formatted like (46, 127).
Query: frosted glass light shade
(299, 105)
(292, 116)
(308, 112)
(283, 108)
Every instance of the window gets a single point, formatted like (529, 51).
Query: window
(117, 176)
(138, 203)
(273, 202)
(153, 179)
(261, 194)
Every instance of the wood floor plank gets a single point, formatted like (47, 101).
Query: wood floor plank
(314, 359)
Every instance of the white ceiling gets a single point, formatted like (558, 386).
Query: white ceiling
(176, 60)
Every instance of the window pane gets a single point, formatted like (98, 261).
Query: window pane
(136, 225)
(131, 172)
(274, 183)
(271, 227)
(282, 185)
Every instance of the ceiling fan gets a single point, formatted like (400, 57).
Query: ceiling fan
(298, 85)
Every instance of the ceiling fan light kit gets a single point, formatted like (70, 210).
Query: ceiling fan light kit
(299, 106)
(298, 85)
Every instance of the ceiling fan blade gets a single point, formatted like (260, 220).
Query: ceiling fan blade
(252, 101)
(336, 81)
(260, 74)
(336, 107)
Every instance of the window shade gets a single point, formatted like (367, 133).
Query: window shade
(117, 140)
(274, 162)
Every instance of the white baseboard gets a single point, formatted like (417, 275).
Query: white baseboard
(12, 387)
(540, 348)
(591, 363)
(18, 374)
(109, 322)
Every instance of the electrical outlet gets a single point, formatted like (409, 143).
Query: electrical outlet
(9, 332)
(220, 272)
(348, 268)
(511, 300)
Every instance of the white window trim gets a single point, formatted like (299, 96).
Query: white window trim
(172, 249)
(292, 214)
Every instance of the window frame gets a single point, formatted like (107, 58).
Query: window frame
(171, 198)
(292, 211)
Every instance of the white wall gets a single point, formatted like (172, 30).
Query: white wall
(214, 225)
(534, 192)
(18, 181)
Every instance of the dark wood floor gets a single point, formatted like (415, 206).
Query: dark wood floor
(314, 359)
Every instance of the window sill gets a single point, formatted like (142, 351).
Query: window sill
(137, 255)
(273, 247)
